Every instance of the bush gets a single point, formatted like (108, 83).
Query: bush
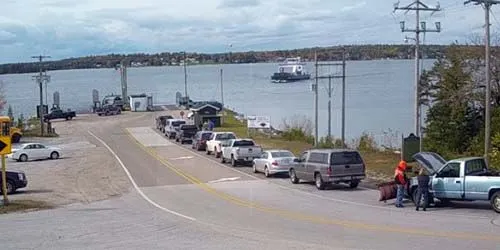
(325, 142)
(298, 128)
(495, 152)
(366, 143)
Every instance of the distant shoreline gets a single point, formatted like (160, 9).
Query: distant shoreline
(353, 53)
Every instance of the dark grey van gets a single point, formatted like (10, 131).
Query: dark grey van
(327, 166)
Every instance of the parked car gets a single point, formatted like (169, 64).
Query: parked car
(327, 166)
(273, 162)
(161, 121)
(186, 133)
(214, 144)
(240, 151)
(15, 180)
(59, 114)
(464, 179)
(109, 110)
(200, 140)
(172, 126)
(34, 151)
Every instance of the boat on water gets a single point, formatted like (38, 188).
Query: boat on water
(291, 70)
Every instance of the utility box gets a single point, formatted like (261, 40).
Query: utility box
(411, 146)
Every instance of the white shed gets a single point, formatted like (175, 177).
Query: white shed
(140, 102)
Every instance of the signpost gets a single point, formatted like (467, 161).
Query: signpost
(258, 122)
(5, 148)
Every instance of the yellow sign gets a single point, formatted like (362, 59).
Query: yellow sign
(5, 139)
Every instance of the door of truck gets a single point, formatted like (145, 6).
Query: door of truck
(448, 183)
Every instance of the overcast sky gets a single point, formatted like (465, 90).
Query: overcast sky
(72, 28)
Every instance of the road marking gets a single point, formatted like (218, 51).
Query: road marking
(182, 158)
(312, 218)
(148, 137)
(135, 184)
(225, 179)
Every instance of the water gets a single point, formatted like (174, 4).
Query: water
(379, 94)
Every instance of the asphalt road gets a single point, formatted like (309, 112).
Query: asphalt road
(183, 199)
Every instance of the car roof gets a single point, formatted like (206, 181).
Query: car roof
(467, 158)
(332, 150)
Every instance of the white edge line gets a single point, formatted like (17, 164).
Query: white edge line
(307, 193)
(135, 184)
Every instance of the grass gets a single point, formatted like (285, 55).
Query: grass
(35, 131)
(24, 206)
(380, 165)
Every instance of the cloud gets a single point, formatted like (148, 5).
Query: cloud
(71, 28)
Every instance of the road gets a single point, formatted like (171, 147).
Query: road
(182, 199)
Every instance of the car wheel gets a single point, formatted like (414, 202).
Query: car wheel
(208, 152)
(354, 184)
(495, 201)
(266, 172)
(293, 176)
(222, 160)
(23, 158)
(233, 161)
(54, 155)
(319, 181)
(10, 187)
(255, 168)
(217, 153)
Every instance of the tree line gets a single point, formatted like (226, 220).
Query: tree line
(354, 52)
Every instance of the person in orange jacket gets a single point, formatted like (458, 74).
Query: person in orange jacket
(401, 180)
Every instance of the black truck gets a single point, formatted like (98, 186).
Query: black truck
(186, 133)
(109, 110)
(15, 180)
(59, 114)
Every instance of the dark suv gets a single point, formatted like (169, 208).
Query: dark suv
(200, 140)
(185, 133)
(15, 180)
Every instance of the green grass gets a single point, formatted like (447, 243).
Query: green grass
(380, 165)
(24, 206)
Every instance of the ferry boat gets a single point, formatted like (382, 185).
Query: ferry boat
(291, 70)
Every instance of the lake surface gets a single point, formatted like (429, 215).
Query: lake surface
(379, 94)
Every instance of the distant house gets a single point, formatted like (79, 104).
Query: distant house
(204, 112)
(141, 103)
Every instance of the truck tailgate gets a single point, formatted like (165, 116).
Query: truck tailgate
(249, 151)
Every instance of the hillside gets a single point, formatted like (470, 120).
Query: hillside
(355, 52)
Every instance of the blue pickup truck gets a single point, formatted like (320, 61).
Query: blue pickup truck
(464, 179)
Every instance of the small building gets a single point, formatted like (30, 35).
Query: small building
(204, 112)
(141, 103)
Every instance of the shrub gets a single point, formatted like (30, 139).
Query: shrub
(298, 128)
(495, 152)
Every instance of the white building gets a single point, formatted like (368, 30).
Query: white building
(140, 103)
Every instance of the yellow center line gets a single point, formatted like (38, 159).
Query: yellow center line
(304, 217)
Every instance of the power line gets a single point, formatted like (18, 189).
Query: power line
(487, 127)
(420, 27)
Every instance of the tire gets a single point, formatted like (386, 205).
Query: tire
(254, 168)
(354, 184)
(414, 194)
(23, 158)
(222, 160)
(320, 185)
(208, 152)
(10, 187)
(233, 161)
(495, 201)
(54, 155)
(293, 176)
(217, 154)
(266, 172)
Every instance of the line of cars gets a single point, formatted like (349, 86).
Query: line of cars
(323, 166)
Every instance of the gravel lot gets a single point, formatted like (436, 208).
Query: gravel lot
(86, 171)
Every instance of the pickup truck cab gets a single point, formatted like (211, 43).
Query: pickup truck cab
(240, 151)
(214, 143)
(326, 166)
(161, 122)
(59, 114)
(172, 127)
(464, 179)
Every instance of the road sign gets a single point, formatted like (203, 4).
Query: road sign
(258, 121)
(5, 140)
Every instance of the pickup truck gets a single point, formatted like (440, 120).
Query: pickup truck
(214, 143)
(161, 121)
(59, 114)
(172, 127)
(186, 133)
(109, 110)
(464, 179)
(240, 150)
(15, 180)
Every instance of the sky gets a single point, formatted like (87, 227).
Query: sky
(73, 28)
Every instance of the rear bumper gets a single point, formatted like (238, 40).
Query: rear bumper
(347, 178)
(246, 158)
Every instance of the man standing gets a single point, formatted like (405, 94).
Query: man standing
(423, 189)
(400, 179)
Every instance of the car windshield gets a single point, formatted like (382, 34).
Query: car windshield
(282, 154)
(243, 143)
(189, 127)
(225, 136)
(342, 158)
(178, 123)
(206, 136)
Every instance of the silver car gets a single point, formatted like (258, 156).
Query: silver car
(273, 162)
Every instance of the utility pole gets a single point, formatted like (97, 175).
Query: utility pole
(222, 93)
(330, 91)
(315, 89)
(40, 79)
(123, 78)
(420, 27)
(487, 100)
(185, 81)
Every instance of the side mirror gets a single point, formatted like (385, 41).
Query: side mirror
(296, 160)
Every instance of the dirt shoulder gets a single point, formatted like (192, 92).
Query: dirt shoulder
(85, 173)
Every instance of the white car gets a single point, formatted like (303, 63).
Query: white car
(34, 151)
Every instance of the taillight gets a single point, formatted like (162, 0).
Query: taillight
(329, 170)
(274, 163)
